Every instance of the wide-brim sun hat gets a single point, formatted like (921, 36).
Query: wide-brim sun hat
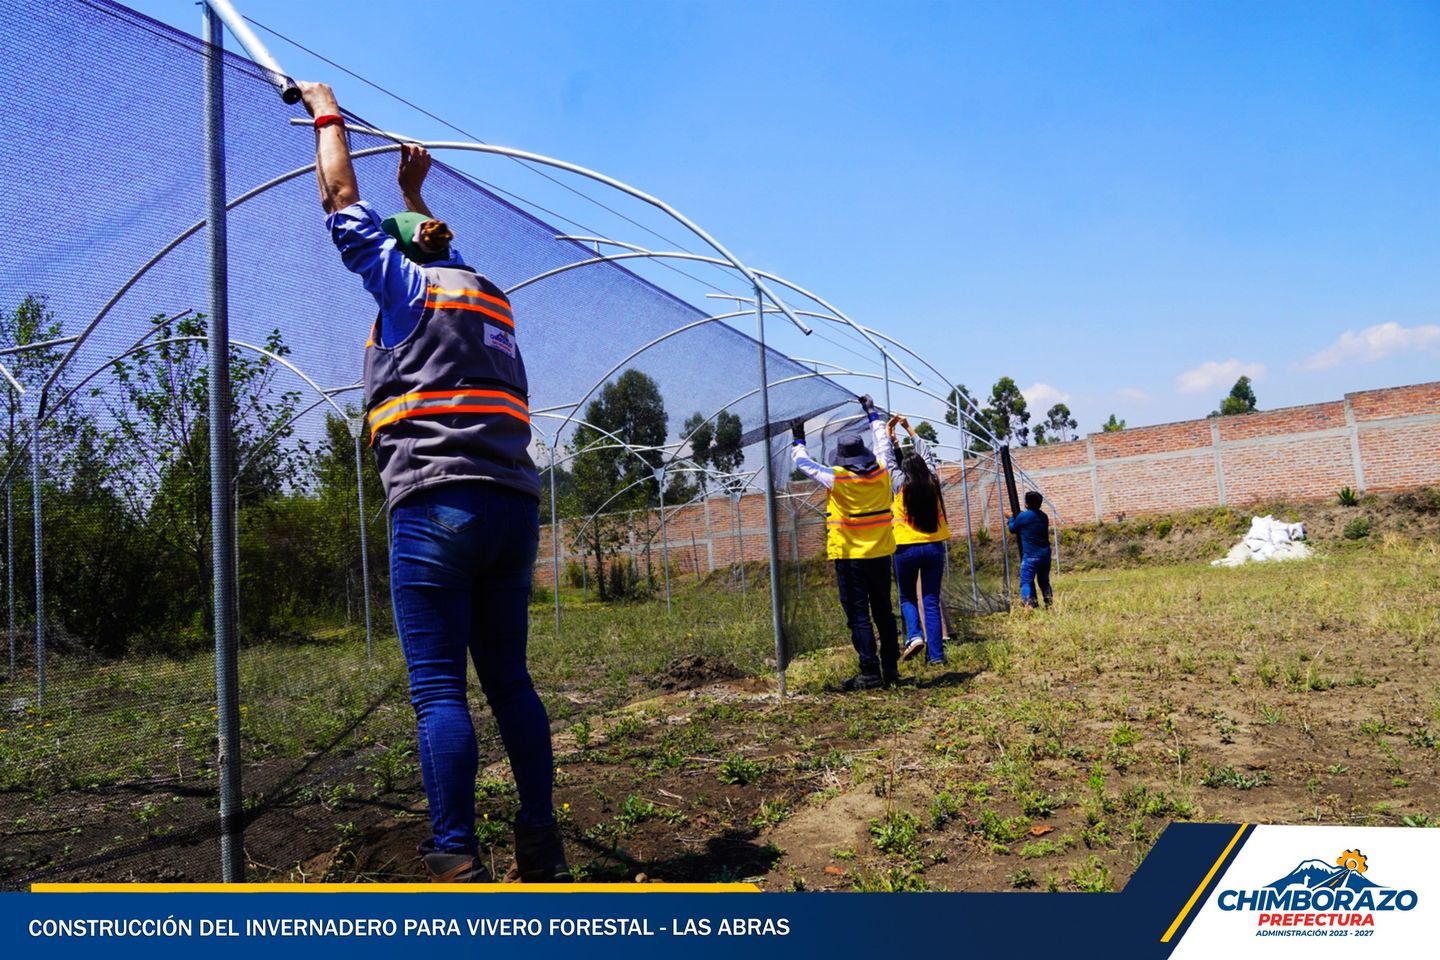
(852, 454)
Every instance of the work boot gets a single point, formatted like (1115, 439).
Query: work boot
(539, 856)
(891, 675)
(452, 867)
(863, 681)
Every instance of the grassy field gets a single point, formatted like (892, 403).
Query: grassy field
(1046, 755)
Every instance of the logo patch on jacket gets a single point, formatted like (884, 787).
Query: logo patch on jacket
(498, 339)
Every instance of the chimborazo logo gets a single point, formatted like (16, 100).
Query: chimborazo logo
(1318, 893)
(497, 339)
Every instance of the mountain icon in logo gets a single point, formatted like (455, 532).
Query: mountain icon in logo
(1346, 873)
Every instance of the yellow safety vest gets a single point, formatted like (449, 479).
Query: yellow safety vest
(858, 515)
(904, 533)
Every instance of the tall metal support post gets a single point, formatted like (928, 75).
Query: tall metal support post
(965, 499)
(355, 430)
(772, 535)
(39, 563)
(664, 536)
(10, 568)
(885, 368)
(554, 537)
(222, 517)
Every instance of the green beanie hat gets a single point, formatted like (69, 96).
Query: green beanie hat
(402, 227)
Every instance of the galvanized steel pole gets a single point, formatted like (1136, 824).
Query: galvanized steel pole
(965, 499)
(364, 538)
(10, 566)
(222, 519)
(554, 537)
(35, 479)
(664, 536)
(771, 534)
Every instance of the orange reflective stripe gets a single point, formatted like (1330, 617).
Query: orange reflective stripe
(857, 477)
(447, 395)
(450, 408)
(477, 294)
(462, 305)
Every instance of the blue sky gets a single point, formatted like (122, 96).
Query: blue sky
(1121, 205)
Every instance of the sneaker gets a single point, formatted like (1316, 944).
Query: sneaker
(913, 647)
(539, 855)
(454, 868)
(863, 681)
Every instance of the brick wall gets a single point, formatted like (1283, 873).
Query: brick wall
(1373, 440)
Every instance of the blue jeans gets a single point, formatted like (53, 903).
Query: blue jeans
(1035, 566)
(927, 561)
(865, 593)
(461, 561)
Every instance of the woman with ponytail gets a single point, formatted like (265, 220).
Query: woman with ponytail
(921, 534)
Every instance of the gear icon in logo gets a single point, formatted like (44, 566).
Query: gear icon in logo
(1352, 860)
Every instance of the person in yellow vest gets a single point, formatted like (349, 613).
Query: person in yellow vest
(921, 535)
(859, 540)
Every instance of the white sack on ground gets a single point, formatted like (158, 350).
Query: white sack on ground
(1268, 539)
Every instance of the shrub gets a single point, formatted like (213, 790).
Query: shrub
(574, 574)
(1163, 527)
(1357, 529)
(1348, 497)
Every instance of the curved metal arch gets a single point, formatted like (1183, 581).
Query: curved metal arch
(141, 347)
(698, 469)
(639, 350)
(635, 252)
(287, 423)
(690, 225)
(578, 170)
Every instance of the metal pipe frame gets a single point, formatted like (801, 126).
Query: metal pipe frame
(222, 521)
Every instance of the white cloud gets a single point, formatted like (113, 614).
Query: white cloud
(1133, 394)
(1217, 373)
(1374, 343)
(1042, 397)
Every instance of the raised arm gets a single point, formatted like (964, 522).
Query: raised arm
(414, 167)
(333, 170)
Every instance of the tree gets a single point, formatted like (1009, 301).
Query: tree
(612, 479)
(960, 400)
(961, 410)
(158, 448)
(726, 456)
(1039, 435)
(1241, 399)
(1006, 414)
(1113, 425)
(1059, 425)
(702, 434)
(333, 564)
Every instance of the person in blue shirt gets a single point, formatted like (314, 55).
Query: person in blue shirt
(1033, 528)
(446, 398)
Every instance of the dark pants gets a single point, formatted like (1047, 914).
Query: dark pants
(461, 562)
(865, 594)
(1035, 566)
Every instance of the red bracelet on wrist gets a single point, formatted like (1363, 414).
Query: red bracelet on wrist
(328, 119)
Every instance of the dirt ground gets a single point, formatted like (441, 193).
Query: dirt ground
(1046, 755)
